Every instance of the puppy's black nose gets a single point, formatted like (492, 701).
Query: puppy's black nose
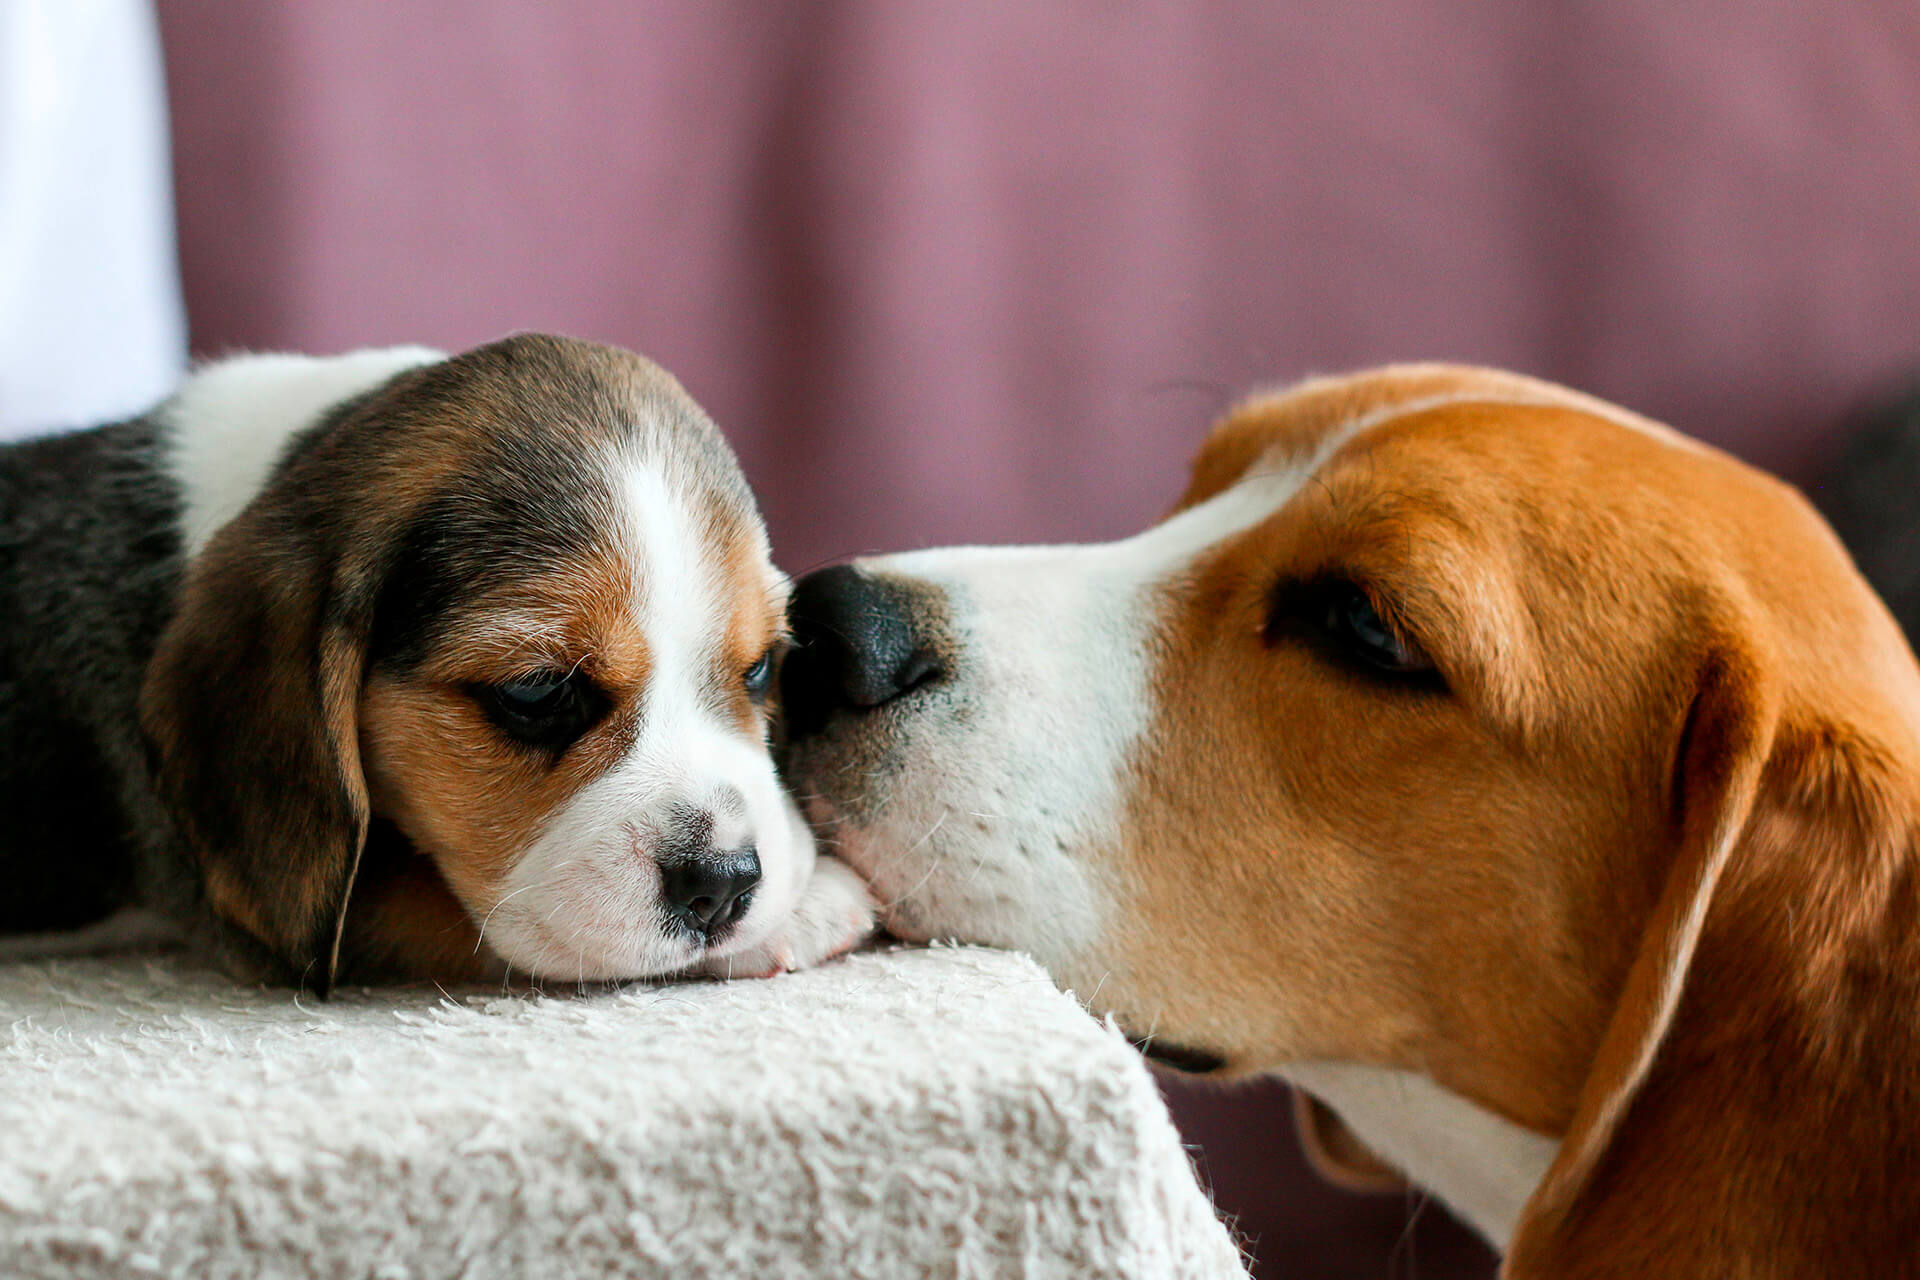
(711, 891)
(855, 646)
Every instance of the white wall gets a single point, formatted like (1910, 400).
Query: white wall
(91, 323)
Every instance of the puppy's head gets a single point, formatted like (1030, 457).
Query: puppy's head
(1417, 739)
(511, 613)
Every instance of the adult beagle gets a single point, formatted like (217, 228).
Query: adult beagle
(1533, 786)
(400, 664)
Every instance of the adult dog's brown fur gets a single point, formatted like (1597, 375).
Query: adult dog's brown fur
(1619, 875)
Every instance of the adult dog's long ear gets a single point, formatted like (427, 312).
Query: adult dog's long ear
(1591, 1188)
(250, 711)
(1737, 1117)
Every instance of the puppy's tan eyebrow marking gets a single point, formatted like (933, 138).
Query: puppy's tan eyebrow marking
(512, 628)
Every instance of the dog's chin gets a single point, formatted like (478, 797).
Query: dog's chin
(595, 953)
(582, 948)
(899, 917)
(905, 921)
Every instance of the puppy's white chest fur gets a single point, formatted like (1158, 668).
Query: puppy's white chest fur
(1483, 1167)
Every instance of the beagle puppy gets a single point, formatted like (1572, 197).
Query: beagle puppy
(1533, 786)
(396, 664)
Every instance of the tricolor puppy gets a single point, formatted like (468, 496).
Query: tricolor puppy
(395, 664)
(1533, 786)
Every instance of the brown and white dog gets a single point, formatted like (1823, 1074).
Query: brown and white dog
(1530, 784)
(400, 664)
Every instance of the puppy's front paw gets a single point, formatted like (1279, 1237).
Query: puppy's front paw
(834, 914)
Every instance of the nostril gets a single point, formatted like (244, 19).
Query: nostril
(921, 667)
(712, 891)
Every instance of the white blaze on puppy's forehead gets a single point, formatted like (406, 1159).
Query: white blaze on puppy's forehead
(682, 600)
(677, 594)
(230, 423)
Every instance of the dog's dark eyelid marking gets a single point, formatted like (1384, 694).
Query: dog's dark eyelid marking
(549, 710)
(758, 678)
(1342, 620)
(532, 691)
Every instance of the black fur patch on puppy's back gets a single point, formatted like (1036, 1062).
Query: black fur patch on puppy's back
(89, 559)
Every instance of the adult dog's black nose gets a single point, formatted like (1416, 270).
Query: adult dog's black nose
(711, 891)
(855, 646)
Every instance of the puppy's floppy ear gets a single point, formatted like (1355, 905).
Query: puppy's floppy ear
(1734, 1109)
(250, 710)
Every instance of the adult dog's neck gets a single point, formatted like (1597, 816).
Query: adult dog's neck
(1482, 1167)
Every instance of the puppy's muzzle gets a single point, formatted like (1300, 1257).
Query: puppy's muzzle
(856, 647)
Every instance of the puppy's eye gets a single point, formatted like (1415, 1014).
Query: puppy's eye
(549, 709)
(758, 678)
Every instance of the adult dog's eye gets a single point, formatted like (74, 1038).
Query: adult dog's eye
(1351, 621)
(758, 678)
(548, 709)
(1340, 619)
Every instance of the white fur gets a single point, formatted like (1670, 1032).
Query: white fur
(1484, 1167)
(585, 897)
(231, 420)
(985, 825)
(1002, 792)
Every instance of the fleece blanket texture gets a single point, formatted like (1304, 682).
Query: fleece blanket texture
(912, 1113)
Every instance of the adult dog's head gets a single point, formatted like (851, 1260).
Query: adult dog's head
(1531, 783)
(492, 634)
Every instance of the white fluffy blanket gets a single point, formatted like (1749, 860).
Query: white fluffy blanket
(908, 1113)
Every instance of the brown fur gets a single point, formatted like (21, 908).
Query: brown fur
(1679, 751)
(1672, 703)
(1630, 872)
(249, 703)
